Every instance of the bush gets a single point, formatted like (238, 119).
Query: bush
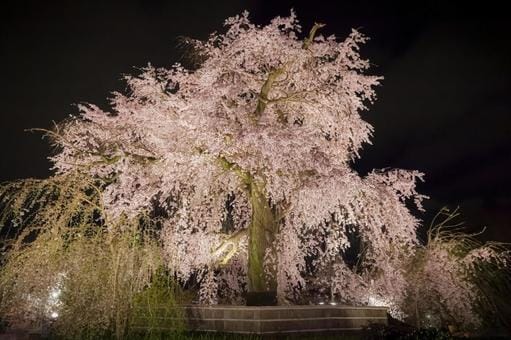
(66, 264)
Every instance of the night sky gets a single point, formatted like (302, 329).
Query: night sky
(444, 107)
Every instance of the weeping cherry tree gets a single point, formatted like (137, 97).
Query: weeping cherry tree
(248, 157)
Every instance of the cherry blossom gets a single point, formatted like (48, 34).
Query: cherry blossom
(268, 125)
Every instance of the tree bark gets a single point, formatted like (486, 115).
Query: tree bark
(262, 231)
(261, 236)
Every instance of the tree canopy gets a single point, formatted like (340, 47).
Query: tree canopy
(265, 128)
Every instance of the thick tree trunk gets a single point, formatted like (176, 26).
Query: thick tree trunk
(261, 236)
(262, 231)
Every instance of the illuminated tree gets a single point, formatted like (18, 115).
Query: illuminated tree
(248, 158)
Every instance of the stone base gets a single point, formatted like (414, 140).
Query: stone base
(283, 319)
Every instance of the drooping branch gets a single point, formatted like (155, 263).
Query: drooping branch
(106, 159)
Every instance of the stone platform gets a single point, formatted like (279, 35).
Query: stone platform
(261, 320)
(283, 319)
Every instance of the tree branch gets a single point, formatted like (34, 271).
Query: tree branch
(104, 158)
(307, 41)
(265, 90)
(231, 245)
(228, 165)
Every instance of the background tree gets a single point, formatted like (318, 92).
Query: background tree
(261, 134)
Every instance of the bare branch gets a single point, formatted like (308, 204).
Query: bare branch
(307, 41)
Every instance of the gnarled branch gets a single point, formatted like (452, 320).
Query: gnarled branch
(228, 165)
(231, 245)
(265, 90)
(307, 41)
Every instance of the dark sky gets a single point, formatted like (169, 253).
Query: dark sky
(444, 107)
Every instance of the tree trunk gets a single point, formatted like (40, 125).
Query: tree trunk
(262, 230)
